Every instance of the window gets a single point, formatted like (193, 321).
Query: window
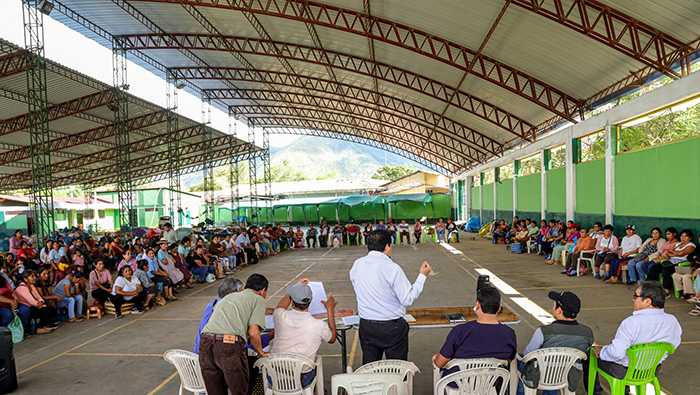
(489, 177)
(88, 214)
(672, 124)
(531, 165)
(557, 157)
(476, 180)
(592, 146)
(506, 172)
(101, 213)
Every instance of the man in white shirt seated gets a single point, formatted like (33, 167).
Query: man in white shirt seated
(648, 323)
(383, 293)
(297, 331)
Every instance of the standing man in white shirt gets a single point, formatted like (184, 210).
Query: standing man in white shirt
(383, 293)
(648, 323)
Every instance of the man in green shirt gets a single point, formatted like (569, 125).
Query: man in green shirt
(222, 354)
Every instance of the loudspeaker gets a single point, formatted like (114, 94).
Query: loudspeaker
(482, 282)
(8, 372)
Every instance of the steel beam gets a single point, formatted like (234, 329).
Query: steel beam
(127, 213)
(415, 40)
(234, 171)
(359, 140)
(446, 159)
(387, 104)
(219, 161)
(614, 29)
(253, 175)
(267, 178)
(37, 121)
(12, 63)
(208, 171)
(171, 90)
(369, 124)
(85, 137)
(341, 61)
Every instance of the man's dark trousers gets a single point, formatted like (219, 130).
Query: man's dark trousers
(224, 366)
(383, 337)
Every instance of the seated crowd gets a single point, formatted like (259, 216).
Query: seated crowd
(235, 321)
(668, 257)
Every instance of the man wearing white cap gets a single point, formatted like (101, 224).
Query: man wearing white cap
(297, 331)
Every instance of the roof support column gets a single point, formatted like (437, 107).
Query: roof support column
(612, 147)
(516, 173)
(496, 179)
(543, 183)
(481, 195)
(267, 178)
(171, 84)
(468, 197)
(208, 170)
(128, 215)
(253, 172)
(571, 158)
(234, 171)
(42, 186)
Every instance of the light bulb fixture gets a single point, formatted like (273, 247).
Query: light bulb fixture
(45, 7)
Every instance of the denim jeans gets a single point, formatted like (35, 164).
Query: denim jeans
(74, 303)
(202, 271)
(441, 235)
(634, 270)
(6, 315)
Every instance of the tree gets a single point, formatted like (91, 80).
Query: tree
(393, 173)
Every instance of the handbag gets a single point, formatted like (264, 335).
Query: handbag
(17, 329)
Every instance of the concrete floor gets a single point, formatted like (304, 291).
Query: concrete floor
(125, 356)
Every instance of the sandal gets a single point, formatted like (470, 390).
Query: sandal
(75, 320)
(694, 312)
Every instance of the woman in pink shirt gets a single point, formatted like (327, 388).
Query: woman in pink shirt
(29, 296)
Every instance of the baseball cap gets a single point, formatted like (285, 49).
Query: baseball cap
(300, 293)
(629, 227)
(568, 301)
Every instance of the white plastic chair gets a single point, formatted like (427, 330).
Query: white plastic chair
(466, 364)
(478, 381)
(590, 260)
(187, 365)
(554, 365)
(530, 243)
(368, 383)
(285, 372)
(404, 368)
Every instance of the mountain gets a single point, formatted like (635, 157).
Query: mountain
(317, 155)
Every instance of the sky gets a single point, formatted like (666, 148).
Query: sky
(72, 49)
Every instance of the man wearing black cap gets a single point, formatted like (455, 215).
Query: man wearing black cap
(565, 331)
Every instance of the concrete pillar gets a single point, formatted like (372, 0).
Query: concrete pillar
(543, 178)
(611, 149)
(481, 195)
(571, 161)
(516, 169)
(468, 196)
(496, 177)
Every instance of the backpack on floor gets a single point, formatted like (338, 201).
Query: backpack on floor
(516, 248)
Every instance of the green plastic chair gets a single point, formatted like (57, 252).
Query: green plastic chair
(676, 291)
(432, 237)
(643, 360)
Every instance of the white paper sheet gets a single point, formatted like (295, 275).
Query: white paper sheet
(269, 323)
(319, 295)
(351, 320)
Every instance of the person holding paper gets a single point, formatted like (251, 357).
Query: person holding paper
(383, 293)
(297, 331)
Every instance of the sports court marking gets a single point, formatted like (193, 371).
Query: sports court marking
(107, 354)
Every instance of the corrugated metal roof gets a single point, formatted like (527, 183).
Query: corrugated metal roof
(96, 152)
(558, 57)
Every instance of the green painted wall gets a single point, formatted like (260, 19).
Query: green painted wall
(556, 190)
(505, 195)
(529, 192)
(637, 172)
(488, 197)
(590, 187)
(475, 198)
